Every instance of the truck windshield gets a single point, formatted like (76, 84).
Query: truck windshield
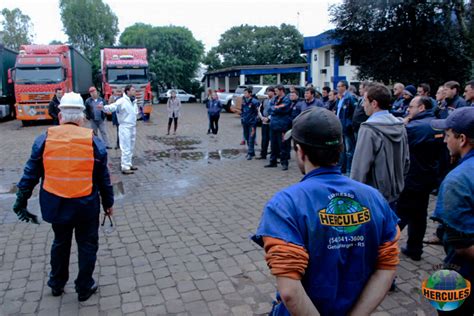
(39, 75)
(127, 75)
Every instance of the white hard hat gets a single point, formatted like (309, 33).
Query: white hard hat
(72, 101)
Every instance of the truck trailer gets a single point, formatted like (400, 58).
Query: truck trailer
(121, 66)
(7, 94)
(39, 70)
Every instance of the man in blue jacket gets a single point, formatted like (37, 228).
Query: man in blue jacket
(72, 165)
(248, 116)
(280, 123)
(345, 110)
(455, 204)
(331, 242)
(425, 147)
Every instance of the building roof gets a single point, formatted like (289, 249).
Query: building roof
(321, 40)
(257, 70)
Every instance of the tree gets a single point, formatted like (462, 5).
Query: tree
(55, 42)
(89, 25)
(173, 52)
(17, 28)
(254, 45)
(408, 41)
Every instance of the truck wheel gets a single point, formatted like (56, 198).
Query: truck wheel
(192, 100)
(25, 123)
(228, 106)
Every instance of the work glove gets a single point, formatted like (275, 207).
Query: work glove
(20, 206)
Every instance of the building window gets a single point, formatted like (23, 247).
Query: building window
(327, 84)
(315, 57)
(327, 58)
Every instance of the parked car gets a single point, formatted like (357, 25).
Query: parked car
(226, 100)
(180, 94)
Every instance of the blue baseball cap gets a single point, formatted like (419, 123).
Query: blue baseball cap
(460, 120)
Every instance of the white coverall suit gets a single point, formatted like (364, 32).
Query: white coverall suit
(127, 112)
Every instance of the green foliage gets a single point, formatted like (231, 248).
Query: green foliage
(254, 45)
(89, 25)
(173, 52)
(407, 41)
(17, 28)
(55, 42)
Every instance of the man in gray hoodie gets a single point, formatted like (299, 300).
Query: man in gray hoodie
(381, 158)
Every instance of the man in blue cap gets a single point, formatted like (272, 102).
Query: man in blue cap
(331, 242)
(455, 204)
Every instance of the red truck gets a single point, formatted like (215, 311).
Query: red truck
(39, 70)
(121, 66)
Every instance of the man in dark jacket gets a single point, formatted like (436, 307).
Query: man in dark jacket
(426, 146)
(248, 116)
(359, 116)
(325, 93)
(70, 195)
(309, 101)
(96, 115)
(345, 111)
(53, 108)
(469, 93)
(280, 123)
(452, 100)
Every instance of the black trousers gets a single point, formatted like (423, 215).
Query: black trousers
(412, 209)
(214, 122)
(87, 239)
(280, 148)
(265, 140)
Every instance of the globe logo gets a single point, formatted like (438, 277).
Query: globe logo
(446, 290)
(344, 214)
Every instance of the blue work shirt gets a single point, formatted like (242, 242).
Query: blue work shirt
(281, 117)
(455, 204)
(341, 223)
(249, 112)
(455, 209)
(304, 104)
(59, 210)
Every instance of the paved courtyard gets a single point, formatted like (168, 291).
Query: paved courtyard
(183, 221)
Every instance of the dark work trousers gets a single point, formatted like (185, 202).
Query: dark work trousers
(265, 140)
(214, 123)
(412, 209)
(87, 238)
(249, 139)
(118, 142)
(280, 148)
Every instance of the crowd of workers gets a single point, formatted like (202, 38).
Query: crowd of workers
(369, 165)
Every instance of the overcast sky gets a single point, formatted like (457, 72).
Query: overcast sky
(207, 19)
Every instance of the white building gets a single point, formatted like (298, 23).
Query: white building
(325, 68)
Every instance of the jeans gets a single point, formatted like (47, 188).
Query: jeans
(214, 124)
(412, 209)
(87, 239)
(280, 148)
(250, 133)
(101, 126)
(345, 160)
(265, 140)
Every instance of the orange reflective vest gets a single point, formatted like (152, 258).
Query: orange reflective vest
(68, 161)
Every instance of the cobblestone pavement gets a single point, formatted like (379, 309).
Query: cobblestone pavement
(181, 244)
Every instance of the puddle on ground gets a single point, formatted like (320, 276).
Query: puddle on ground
(176, 141)
(173, 154)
